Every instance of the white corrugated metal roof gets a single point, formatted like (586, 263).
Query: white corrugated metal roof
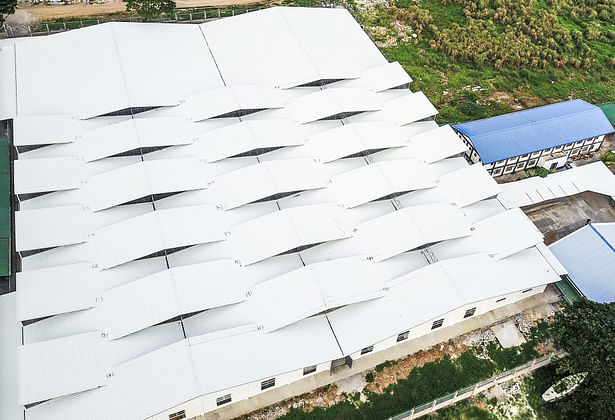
(409, 228)
(383, 77)
(266, 179)
(10, 340)
(353, 138)
(249, 224)
(594, 177)
(54, 368)
(52, 129)
(453, 187)
(381, 179)
(57, 290)
(218, 102)
(156, 231)
(117, 138)
(588, 256)
(312, 289)
(167, 294)
(408, 108)
(8, 99)
(248, 136)
(458, 282)
(286, 230)
(43, 175)
(332, 101)
(428, 146)
(33, 229)
(500, 236)
(131, 182)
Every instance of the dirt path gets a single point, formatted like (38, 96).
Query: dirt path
(29, 14)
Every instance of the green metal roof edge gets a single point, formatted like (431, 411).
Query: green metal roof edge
(5, 207)
(609, 111)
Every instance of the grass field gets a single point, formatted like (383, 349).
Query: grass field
(473, 63)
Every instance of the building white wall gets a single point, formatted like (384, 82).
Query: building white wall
(454, 317)
(207, 403)
(532, 160)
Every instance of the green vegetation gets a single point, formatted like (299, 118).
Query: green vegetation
(150, 9)
(478, 58)
(381, 366)
(7, 7)
(465, 410)
(513, 356)
(369, 377)
(608, 158)
(541, 172)
(432, 380)
(536, 384)
(586, 331)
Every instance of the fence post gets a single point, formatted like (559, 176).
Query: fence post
(411, 416)
(474, 389)
(176, 16)
(190, 16)
(218, 13)
(47, 25)
(232, 12)
(98, 21)
(433, 406)
(30, 30)
(454, 397)
(204, 14)
(80, 23)
(64, 25)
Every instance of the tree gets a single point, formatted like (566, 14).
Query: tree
(149, 9)
(586, 331)
(7, 7)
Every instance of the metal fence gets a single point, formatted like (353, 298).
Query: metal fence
(470, 391)
(180, 16)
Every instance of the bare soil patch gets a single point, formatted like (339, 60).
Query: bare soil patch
(40, 12)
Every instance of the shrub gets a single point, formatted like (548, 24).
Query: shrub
(369, 377)
(542, 172)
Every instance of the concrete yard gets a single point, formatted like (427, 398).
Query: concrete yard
(508, 335)
(562, 216)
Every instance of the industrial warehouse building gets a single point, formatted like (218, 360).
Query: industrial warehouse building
(220, 215)
(589, 257)
(546, 136)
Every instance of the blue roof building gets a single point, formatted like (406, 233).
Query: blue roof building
(589, 257)
(544, 136)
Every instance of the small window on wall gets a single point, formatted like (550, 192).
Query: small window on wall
(509, 169)
(574, 152)
(178, 416)
(437, 324)
(367, 350)
(469, 312)
(500, 300)
(526, 290)
(497, 172)
(223, 400)
(585, 149)
(520, 166)
(269, 383)
(403, 336)
(309, 369)
(532, 163)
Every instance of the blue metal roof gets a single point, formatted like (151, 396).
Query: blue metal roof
(531, 130)
(589, 256)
